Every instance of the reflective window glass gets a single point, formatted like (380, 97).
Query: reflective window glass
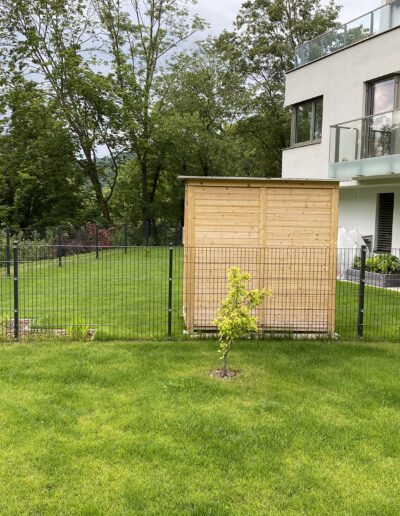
(382, 96)
(303, 122)
(318, 120)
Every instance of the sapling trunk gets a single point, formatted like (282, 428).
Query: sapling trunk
(225, 355)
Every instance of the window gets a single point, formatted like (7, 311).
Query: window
(383, 95)
(384, 222)
(307, 121)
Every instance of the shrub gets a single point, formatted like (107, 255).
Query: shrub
(381, 263)
(233, 318)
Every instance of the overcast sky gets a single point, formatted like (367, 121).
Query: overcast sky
(221, 13)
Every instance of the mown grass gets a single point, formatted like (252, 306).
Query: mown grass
(141, 428)
(125, 295)
(381, 312)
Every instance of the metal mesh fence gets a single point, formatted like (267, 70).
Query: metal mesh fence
(80, 239)
(157, 292)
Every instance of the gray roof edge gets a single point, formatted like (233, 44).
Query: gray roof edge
(222, 178)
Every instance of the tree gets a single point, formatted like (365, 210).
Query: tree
(261, 49)
(139, 42)
(204, 100)
(40, 181)
(233, 318)
(58, 42)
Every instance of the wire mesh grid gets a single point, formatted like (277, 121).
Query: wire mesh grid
(160, 292)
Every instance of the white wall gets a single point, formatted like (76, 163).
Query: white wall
(340, 78)
(357, 209)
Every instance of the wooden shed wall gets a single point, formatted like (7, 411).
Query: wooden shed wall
(282, 232)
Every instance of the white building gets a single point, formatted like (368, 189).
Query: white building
(345, 97)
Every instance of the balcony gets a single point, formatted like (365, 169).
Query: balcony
(371, 24)
(365, 147)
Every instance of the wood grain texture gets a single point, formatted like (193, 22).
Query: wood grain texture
(283, 232)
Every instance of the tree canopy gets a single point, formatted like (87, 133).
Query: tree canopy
(106, 102)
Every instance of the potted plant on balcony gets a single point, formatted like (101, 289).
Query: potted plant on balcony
(381, 270)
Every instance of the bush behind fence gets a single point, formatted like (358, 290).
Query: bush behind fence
(160, 292)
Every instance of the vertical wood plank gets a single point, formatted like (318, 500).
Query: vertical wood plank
(333, 259)
(190, 256)
(263, 244)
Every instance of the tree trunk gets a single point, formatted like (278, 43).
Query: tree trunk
(144, 207)
(94, 178)
(225, 355)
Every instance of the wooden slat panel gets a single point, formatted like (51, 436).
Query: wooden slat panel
(253, 219)
(225, 202)
(227, 209)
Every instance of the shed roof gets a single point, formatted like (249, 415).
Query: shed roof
(265, 179)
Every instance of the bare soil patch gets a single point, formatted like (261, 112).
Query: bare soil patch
(219, 373)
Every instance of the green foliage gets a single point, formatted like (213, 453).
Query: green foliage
(59, 43)
(381, 263)
(120, 105)
(141, 38)
(261, 49)
(79, 329)
(40, 181)
(234, 320)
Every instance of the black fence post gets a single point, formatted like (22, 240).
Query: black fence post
(59, 249)
(16, 308)
(8, 261)
(361, 293)
(97, 241)
(171, 257)
(125, 238)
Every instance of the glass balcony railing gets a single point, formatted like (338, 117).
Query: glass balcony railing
(380, 20)
(355, 145)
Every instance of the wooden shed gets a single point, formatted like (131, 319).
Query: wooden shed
(284, 232)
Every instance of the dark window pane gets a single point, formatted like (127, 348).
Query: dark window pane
(318, 120)
(303, 122)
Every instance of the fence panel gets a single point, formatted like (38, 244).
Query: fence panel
(119, 295)
(127, 293)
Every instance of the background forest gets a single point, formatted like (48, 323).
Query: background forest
(103, 103)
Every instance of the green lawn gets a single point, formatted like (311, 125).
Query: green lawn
(141, 428)
(125, 295)
(381, 312)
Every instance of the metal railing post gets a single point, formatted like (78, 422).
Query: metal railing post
(361, 293)
(59, 249)
(8, 260)
(97, 241)
(16, 307)
(171, 257)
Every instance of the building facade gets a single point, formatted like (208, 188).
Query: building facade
(344, 95)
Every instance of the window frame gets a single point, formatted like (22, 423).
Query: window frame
(378, 231)
(396, 94)
(368, 104)
(293, 131)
